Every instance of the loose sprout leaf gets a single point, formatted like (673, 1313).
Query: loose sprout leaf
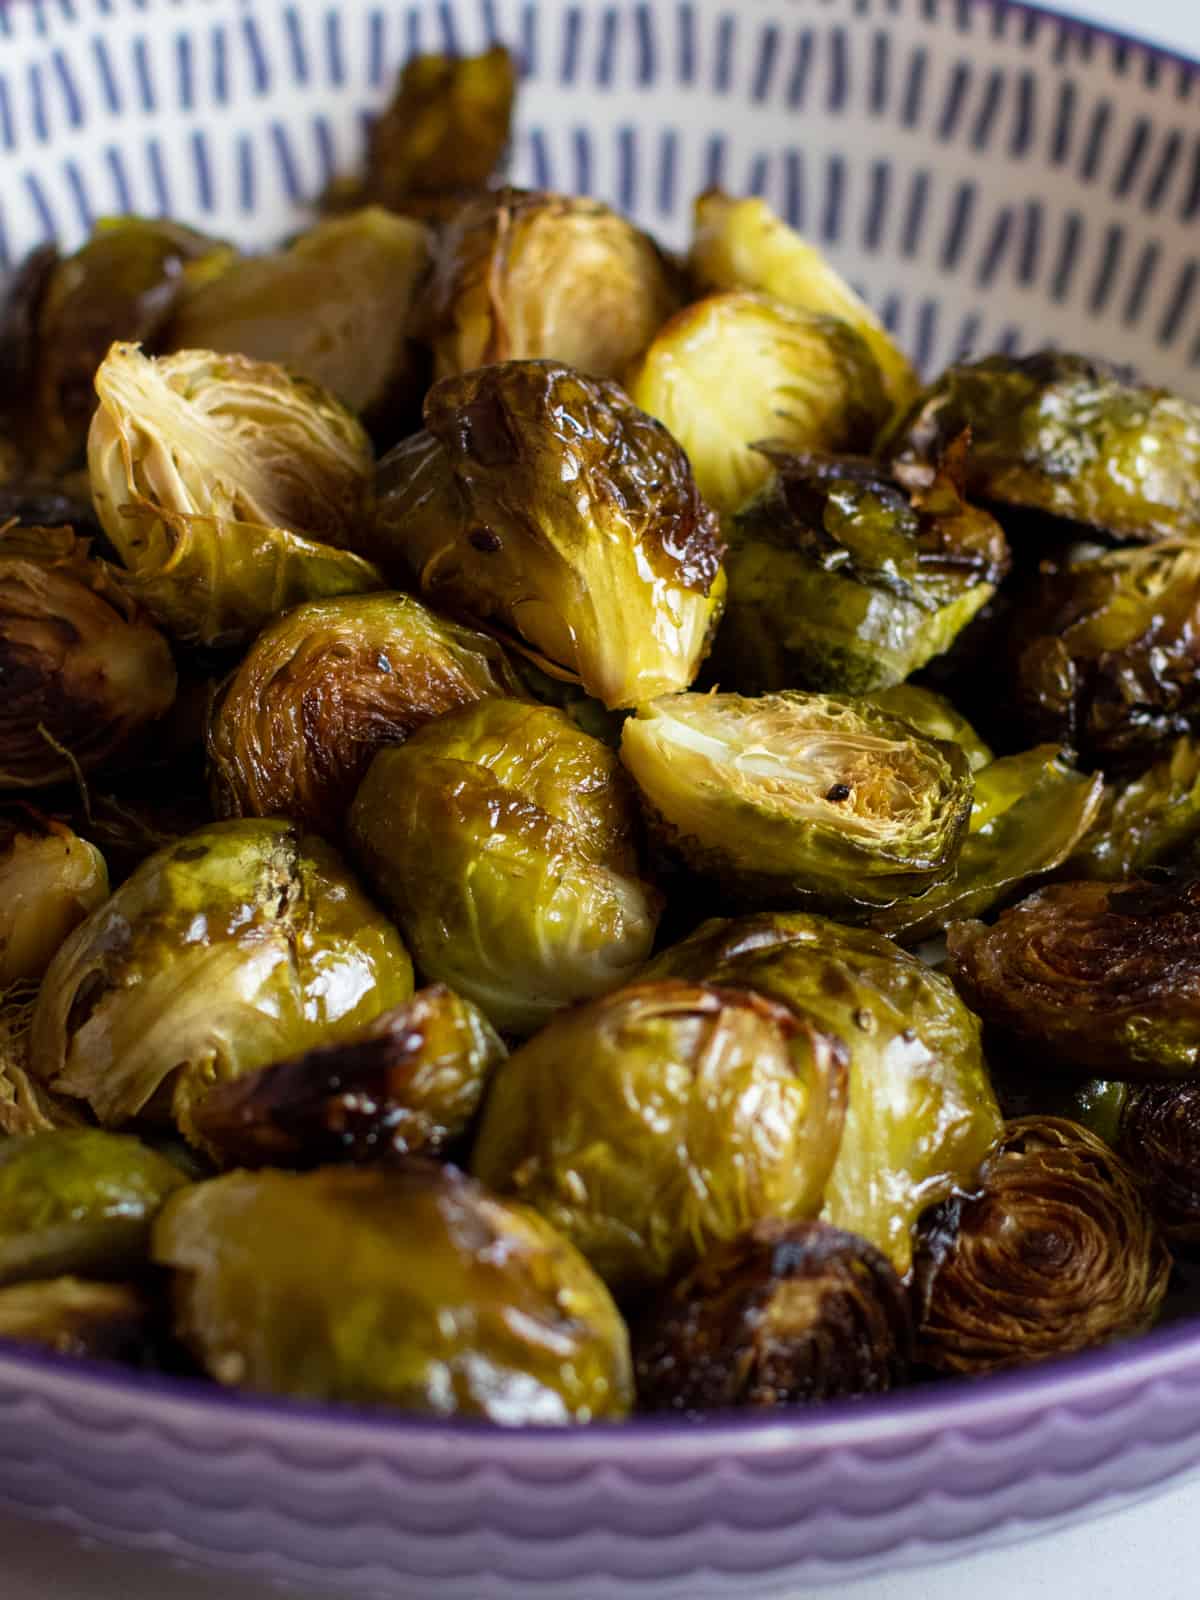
(1145, 820)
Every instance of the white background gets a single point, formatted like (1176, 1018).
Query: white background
(1153, 1549)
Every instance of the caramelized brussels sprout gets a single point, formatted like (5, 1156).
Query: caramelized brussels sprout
(841, 581)
(408, 1286)
(663, 1119)
(1106, 653)
(547, 504)
(1062, 434)
(27, 1106)
(1145, 820)
(1030, 812)
(502, 838)
(523, 276)
(100, 1321)
(933, 716)
(242, 944)
(83, 671)
(799, 799)
(50, 879)
(409, 1083)
(742, 244)
(1159, 1136)
(1103, 978)
(225, 486)
(1055, 1252)
(327, 685)
(335, 307)
(738, 368)
(921, 1114)
(78, 1201)
(784, 1314)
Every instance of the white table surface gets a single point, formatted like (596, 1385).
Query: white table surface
(1151, 1549)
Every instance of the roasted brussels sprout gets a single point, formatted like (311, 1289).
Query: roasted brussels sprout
(83, 671)
(547, 504)
(1055, 1252)
(225, 486)
(523, 276)
(1030, 812)
(78, 1200)
(1103, 978)
(243, 944)
(742, 244)
(921, 1114)
(335, 307)
(1145, 820)
(50, 879)
(841, 581)
(409, 1286)
(328, 684)
(409, 1083)
(785, 1313)
(502, 838)
(663, 1119)
(1106, 656)
(27, 1106)
(1159, 1136)
(101, 1321)
(1062, 434)
(933, 716)
(738, 368)
(799, 799)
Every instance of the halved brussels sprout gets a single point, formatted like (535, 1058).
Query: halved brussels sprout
(78, 1201)
(1030, 812)
(83, 670)
(1159, 1136)
(546, 503)
(409, 1286)
(1062, 434)
(409, 1083)
(787, 1313)
(934, 717)
(922, 1114)
(1055, 1252)
(522, 276)
(503, 839)
(225, 486)
(799, 799)
(1145, 820)
(738, 368)
(663, 1119)
(839, 580)
(1101, 977)
(335, 307)
(50, 879)
(326, 686)
(98, 1321)
(1105, 652)
(742, 244)
(242, 944)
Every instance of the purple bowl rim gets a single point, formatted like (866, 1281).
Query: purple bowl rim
(953, 1402)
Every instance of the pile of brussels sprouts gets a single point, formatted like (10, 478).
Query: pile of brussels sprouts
(627, 650)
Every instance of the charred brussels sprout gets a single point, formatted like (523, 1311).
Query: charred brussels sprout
(1062, 434)
(83, 671)
(409, 1287)
(742, 244)
(243, 944)
(327, 685)
(921, 1114)
(409, 1083)
(786, 1313)
(503, 839)
(225, 486)
(1159, 1136)
(99, 1321)
(663, 1119)
(933, 716)
(78, 1201)
(1145, 820)
(1030, 812)
(547, 504)
(797, 799)
(50, 879)
(1055, 1252)
(524, 276)
(738, 368)
(839, 580)
(1104, 978)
